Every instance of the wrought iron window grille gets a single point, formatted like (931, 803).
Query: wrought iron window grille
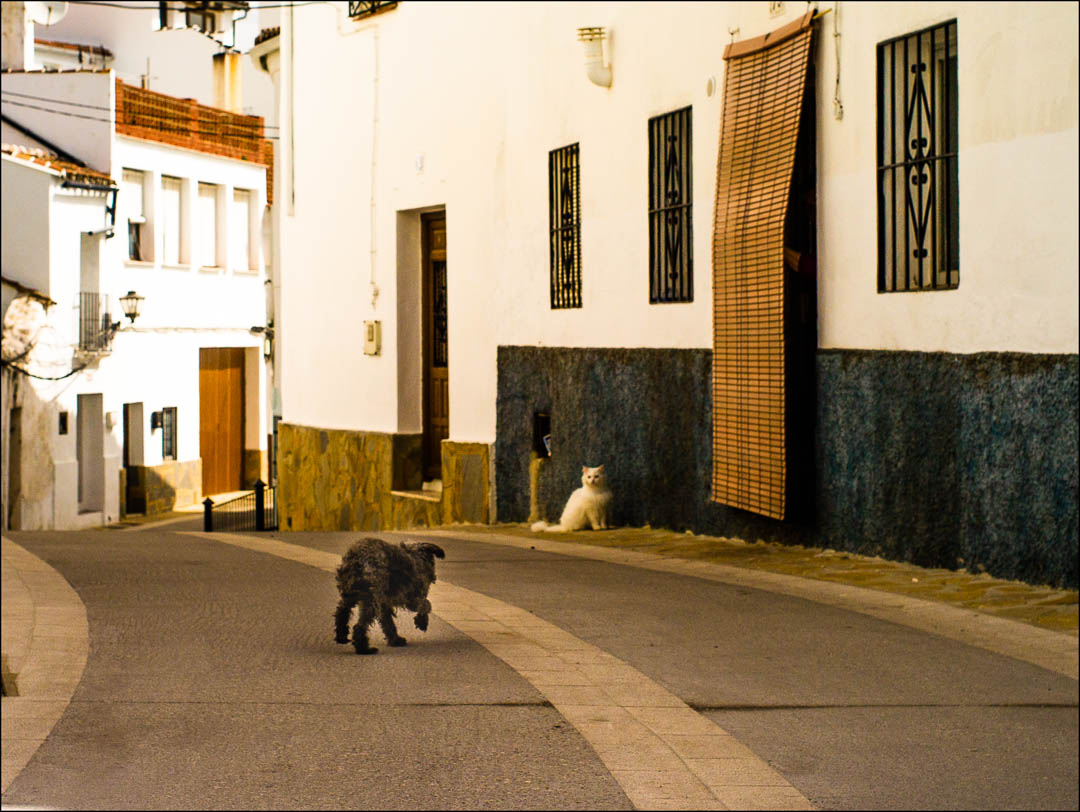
(918, 195)
(168, 433)
(671, 233)
(96, 327)
(564, 206)
(358, 9)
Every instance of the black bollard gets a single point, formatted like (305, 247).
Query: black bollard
(208, 515)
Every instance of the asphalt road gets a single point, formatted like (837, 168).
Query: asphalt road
(213, 682)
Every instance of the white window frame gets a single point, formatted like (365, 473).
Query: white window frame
(241, 255)
(133, 192)
(172, 221)
(208, 217)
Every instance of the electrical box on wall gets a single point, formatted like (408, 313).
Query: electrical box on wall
(372, 337)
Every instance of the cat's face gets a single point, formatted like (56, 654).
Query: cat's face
(592, 476)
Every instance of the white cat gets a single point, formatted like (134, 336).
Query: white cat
(587, 506)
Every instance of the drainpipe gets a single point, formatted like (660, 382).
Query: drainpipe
(593, 38)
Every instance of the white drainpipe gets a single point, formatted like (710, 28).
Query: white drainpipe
(593, 38)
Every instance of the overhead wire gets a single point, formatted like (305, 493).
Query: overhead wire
(169, 129)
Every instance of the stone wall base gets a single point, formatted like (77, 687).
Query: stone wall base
(331, 479)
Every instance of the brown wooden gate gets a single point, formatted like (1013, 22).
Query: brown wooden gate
(221, 418)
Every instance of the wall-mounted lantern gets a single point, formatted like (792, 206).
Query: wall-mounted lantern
(593, 38)
(131, 304)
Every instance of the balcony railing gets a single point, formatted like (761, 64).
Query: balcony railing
(186, 123)
(95, 323)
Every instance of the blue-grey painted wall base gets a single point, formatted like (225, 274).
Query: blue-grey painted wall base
(940, 459)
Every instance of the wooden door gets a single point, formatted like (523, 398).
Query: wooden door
(436, 356)
(221, 418)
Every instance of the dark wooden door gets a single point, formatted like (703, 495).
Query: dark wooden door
(221, 418)
(436, 356)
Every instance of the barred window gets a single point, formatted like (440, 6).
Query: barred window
(359, 9)
(168, 433)
(918, 197)
(671, 233)
(564, 201)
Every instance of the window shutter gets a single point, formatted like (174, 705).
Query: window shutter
(763, 95)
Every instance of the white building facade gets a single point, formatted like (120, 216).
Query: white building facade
(110, 415)
(437, 324)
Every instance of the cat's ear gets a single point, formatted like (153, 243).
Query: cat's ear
(584, 469)
(600, 468)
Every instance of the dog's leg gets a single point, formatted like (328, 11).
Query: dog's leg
(341, 618)
(360, 630)
(386, 620)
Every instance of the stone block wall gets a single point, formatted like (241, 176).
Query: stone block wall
(160, 488)
(352, 480)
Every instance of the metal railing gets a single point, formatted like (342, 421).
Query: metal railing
(95, 323)
(252, 511)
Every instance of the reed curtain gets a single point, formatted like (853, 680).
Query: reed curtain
(764, 86)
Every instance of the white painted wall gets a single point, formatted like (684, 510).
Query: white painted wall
(24, 218)
(1018, 193)
(156, 362)
(73, 110)
(180, 60)
(482, 92)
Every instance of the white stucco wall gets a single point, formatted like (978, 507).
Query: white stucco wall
(1018, 145)
(155, 362)
(73, 110)
(179, 60)
(470, 98)
(24, 217)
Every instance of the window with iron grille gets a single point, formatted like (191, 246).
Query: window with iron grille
(564, 200)
(168, 433)
(918, 196)
(366, 8)
(671, 234)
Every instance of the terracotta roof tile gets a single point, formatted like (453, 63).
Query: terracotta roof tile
(66, 169)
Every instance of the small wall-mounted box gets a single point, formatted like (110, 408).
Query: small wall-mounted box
(372, 337)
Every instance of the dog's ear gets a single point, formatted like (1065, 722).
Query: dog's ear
(426, 548)
(432, 549)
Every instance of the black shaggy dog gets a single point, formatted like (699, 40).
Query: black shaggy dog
(380, 577)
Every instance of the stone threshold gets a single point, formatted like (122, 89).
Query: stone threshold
(427, 496)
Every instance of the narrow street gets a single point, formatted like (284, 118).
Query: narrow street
(213, 681)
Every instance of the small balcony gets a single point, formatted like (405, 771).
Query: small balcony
(96, 327)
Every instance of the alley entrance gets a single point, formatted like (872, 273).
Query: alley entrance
(221, 418)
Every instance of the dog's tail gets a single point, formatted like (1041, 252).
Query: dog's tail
(544, 527)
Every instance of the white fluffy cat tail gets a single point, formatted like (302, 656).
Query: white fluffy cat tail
(544, 527)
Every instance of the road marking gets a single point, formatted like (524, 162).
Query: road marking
(46, 642)
(662, 753)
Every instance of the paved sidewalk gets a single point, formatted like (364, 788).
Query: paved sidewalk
(45, 645)
(1042, 606)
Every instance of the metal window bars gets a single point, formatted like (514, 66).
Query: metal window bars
(564, 207)
(671, 233)
(918, 195)
(168, 433)
(95, 323)
(359, 9)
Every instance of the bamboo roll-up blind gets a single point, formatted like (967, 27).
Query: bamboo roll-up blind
(763, 97)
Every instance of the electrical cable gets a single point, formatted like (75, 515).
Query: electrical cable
(41, 377)
(183, 130)
(100, 107)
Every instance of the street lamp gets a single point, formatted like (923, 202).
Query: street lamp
(131, 304)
